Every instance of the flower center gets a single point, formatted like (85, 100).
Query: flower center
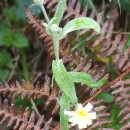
(81, 113)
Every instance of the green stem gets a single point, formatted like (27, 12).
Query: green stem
(24, 65)
(34, 107)
(125, 33)
(45, 14)
(25, 74)
(56, 45)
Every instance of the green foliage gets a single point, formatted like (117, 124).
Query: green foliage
(59, 11)
(17, 13)
(65, 105)
(10, 13)
(20, 41)
(25, 103)
(125, 4)
(6, 64)
(11, 34)
(115, 119)
(79, 23)
(89, 3)
(64, 80)
(20, 13)
(80, 77)
(9, 38)
(105, 96)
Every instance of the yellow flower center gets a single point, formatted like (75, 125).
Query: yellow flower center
(81, 113)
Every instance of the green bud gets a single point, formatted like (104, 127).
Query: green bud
(55, 29)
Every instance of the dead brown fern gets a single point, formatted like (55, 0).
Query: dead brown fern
(21, 119)
(38, 91)
(37, 25)
(122, 98)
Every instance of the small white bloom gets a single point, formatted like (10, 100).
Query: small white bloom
(82, 116)
(39, 2)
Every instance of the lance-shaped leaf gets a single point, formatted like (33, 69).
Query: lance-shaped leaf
(59, 11)
(64, 105)
(64, 80)
(79, 23)
(80, 77)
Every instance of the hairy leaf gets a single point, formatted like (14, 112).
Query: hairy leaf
(59, 11)
(79, 23)
(64, 80)
(80, 77)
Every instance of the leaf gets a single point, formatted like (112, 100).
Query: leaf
(115, 121)
(79, 23)
(4, 74)
(64, 80)
(105, 96)
(80, 77)
(89, 3)
(115, 112)
(125, 4)
(64, 105)
(20, 13)
(20, 41)
(59, 11)
(5, 35)
(10, 13)
(6, 60)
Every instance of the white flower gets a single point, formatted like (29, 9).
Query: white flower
(82, 116)
(39, 2)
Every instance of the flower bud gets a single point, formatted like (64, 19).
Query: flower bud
(54, 28)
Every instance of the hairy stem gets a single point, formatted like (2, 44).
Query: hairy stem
(45, 14)
(56, 46)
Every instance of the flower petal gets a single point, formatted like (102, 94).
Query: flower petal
(70, 113)
(82, 125)
(88, 122)
(92, 115)
(88, 107)
(79, 105)
(73, 121)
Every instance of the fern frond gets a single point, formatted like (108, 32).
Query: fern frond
(21, 119)
(38, 26)
(31, 91)
(121, 91)
(35, 92)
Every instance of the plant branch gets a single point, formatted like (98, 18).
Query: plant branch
(45, 14)
(106, 86)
